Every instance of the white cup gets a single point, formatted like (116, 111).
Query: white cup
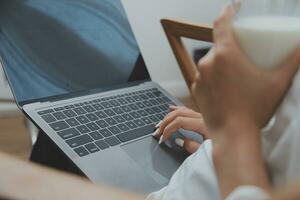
(268, 31)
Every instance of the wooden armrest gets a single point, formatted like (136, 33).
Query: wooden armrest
(175, 30)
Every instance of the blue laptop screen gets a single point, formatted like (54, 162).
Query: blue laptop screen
(54, 47)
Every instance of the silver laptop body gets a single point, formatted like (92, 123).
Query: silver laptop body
(76, 72)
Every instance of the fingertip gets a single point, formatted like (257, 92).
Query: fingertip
(158, 125)
(156, 133)
(191, 146)
(161, 140)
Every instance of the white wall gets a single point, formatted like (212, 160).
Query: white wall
(145, 15)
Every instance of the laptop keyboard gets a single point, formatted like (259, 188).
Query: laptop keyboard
(91, 126)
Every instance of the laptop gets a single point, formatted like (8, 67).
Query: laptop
(76, 71)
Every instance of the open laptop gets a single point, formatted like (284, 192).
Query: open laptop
(76, 71)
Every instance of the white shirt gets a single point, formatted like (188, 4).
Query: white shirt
(196, 178)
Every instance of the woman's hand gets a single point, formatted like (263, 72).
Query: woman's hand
(237, 99)
(182, 117)
(232, 89)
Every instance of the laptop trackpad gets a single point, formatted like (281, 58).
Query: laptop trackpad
(158, 161)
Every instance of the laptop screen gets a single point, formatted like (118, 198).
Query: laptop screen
(55, 47)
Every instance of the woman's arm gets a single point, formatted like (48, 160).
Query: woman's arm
(238, 159)
(237, 99)
(23, 180)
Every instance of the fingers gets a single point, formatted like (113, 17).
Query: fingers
(179, 112)
(223, 25)
(189, 145)
(191, 124)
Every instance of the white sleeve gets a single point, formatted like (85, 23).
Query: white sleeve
(248, 193)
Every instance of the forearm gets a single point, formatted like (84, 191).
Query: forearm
(238, 158)
(22, 180)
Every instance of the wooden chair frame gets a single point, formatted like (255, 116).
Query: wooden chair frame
(175, 31)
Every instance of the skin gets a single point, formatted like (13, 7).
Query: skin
(233, 124)
(234, 113)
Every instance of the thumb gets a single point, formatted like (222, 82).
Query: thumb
(190, 146)
(289, 68)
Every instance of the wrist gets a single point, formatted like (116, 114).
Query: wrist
(235, 129)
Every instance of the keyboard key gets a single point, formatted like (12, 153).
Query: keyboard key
(119, 119)
(139, 122)
(164, 107)
(46, 112)
(102, 123)
(112, 141)
(72, 122)
(146, 120)
(106, 104)
(69, 107)
(101, 114)
(101, 144)
(59, 115)
(81, 151)
(78, 141)
(140, 105)
(105, 132)
(131, 125)
(150, 111)
(98, 106)
(147, 103)
(129, 99)
(127, 117)
(118, 110)
(83, 129)
(143, 113)
(122, 101)
(133, 107)
(92, 148)
(70, 113)
(48, 118)
(80, 111)
(89, 108)
(154, 102)
(157, 93)
(160, 116)
(69, 133)
(154, 119)
(92, 126)
(59, 109)
(92, 117)
(150, 95)
(133, 134)
(137, 98)
(96, 135)
(123, 127)
(109, 112)
(78, 104)
(156, 109)
(135, 115)
(144, 97)
(126, 109)
(82, 119)
(115, 130)
(111, 121)
(57, 126)
(114, 103)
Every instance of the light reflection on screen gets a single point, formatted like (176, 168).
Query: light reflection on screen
(52, 47)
